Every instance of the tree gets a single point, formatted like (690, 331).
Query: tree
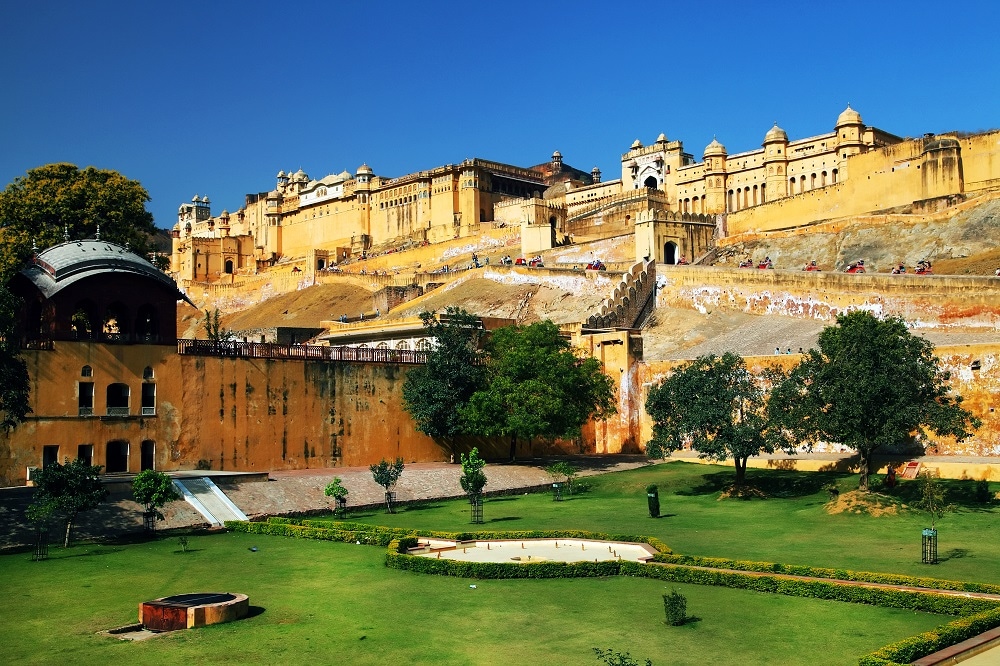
(871, 384)
(153, 489)
(433, 393)
(67, 490)
(536, 385)
(473, 479)
(55, 199)
(214, 330)
(564, 470)
(38, 210)
(615, 658)
(932, 496)
(14, 383)
(716, 404)
(386, 474)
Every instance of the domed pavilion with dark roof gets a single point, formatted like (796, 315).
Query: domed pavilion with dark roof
(96, 290)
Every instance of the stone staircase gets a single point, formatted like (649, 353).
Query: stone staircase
(208, 500)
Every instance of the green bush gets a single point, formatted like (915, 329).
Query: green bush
(915, 647)
(675, 608)
(982, 492)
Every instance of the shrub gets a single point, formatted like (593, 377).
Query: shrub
(982, 492)
(653, 500)
(675, 607)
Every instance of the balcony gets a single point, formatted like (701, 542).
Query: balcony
(86, 411)
(118, 411)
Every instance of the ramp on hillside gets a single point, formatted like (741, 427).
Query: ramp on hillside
(208, 500)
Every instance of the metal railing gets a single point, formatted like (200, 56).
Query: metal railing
(149, 411)
(298, 352)
(118, 411)
(86, 411)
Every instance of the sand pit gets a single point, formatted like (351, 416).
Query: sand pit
(526, 551)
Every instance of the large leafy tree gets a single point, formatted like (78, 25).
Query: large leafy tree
(67, 490)
(717, 405)
(537, 386)
(50, 200)
(434, 392)
(870, 385)
(37, 210)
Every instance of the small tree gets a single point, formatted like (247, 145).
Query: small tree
(563, 470)
(615, 658)
(338, 492)
(932, 497)
(153, 489)
(653, 500)
(473, 479)
(386, 474)
(213, 327)
(67, 490)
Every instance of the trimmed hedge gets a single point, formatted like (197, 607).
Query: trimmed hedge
(928, 602)
(921, 645)
(820, 572)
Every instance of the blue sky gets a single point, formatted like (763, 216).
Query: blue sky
(214, 97)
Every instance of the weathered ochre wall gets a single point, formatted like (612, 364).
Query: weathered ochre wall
(233, 414)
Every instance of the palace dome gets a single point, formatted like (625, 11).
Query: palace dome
(636, 144)
(775, 134)
(715, 148)
(848, 117)
(67, 263)
(364, 169)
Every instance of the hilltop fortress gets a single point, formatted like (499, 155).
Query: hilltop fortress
(115, 381)
(675, 207)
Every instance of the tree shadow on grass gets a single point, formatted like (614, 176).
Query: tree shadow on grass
(61, 553)
(956, 554)
(959, 494)
(492, 500)
(504, 519)
(254, 611)
(422, 506)
(771, 483)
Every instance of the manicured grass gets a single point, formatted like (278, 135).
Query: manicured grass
(792, 526)
(330, 603)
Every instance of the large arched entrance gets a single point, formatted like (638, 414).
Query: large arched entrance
(670, 253)
(650, 182)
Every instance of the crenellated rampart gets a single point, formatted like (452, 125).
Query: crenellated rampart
(630, 299)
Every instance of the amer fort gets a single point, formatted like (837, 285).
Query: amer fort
(267, 360)
(322, 281)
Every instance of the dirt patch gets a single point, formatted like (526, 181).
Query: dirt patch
(873, 504)
(744, 493)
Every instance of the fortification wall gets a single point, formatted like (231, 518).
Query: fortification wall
(923, 301)
(234, 414)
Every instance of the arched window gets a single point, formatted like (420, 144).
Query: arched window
(834, 176)
(822, 179)
(147, 373)
(229, 266)
(86, 371)
(423, 344)
(114, 326)
(670, 253)
(147, 327)
(382, 345)
(118, 399)
(403, 345)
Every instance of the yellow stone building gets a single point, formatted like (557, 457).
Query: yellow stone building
(677, 208)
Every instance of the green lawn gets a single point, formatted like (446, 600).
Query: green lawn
(332, 603)
(792, 526)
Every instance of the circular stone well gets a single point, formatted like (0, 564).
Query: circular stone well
(186, 611)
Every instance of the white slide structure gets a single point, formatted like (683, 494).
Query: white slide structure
(208, 500)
